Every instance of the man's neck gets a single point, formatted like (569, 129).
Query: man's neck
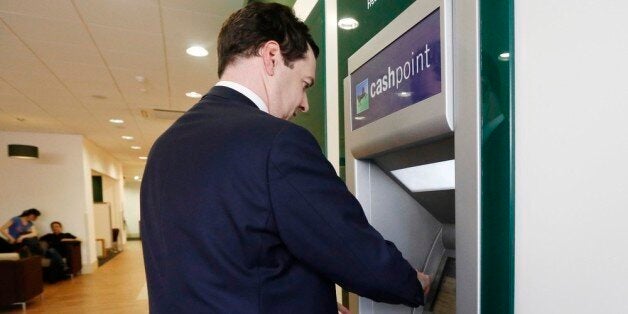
(246, 73)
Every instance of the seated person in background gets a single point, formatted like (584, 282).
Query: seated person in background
(56, 251)
(56, 238)
(21, 234)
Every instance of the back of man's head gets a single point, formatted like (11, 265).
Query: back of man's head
(246, 30)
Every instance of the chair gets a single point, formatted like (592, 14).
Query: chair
(73, 258)
(20, 280)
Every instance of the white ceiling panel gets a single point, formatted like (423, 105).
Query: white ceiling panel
(74, 71)
(85, 91)
(221, 8)
(72, 112)
(45, 29)
(27, 81)
(119, 39)
(85, 80)
(191, 25)
(177, 44)
(52, 51)
(139, 15)
(134, 61)
(55, 9)
(9, 122)
(33, 123)
(96, 105)
(153, 92)
(190, 70)
(54, 97)
(6, 89)
(56, 55)
(22, 108)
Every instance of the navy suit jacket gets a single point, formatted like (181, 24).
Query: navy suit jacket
(242, 213)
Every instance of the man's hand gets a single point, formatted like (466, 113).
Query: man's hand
(426, 281)
(11, 240)
(343, 310)
(19, 240)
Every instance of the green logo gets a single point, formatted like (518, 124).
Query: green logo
(362, 96)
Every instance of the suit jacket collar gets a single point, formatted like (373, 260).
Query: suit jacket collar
(229, 94)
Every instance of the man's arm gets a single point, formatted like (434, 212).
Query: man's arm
(69, 237)
(324, 226)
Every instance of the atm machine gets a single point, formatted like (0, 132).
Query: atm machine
(404, 152)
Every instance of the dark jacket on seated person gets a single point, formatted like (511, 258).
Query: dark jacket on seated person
(54, 241)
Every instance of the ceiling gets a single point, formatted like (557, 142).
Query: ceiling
(69, 66)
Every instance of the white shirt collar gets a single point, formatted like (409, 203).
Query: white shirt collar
(246, 92)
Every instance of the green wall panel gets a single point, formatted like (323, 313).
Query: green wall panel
(97, 190)
(314, 119)
(497, 156)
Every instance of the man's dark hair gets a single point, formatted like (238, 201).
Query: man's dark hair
(31, 211)
(55, 222)
(246, 30)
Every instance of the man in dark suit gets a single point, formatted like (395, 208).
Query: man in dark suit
(240, 210)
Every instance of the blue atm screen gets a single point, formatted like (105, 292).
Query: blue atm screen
(404, 73)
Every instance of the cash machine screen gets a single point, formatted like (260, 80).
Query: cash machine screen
(404, 73)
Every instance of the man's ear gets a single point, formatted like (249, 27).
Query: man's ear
(271, 54)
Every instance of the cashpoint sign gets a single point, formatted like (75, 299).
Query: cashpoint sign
(403, 74)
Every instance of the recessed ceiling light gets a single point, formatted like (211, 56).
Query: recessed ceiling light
(504, 56)
(197, 51)
(348, 23)
(137, 178)
(136, 147)
(193, 95)
(116, 121)
(127, 137)
(143, 157)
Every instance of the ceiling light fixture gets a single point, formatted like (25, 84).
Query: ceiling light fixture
(193, 95)
(116, 121)
(136, 147)
(127, 137)
(137, 178)
(143, 157)
(348, 23)
(197, 51)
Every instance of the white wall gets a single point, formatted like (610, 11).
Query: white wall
(102, 226)
(571, 155)
(132, 207)
(59, 184)
(54, 183)
(102, 163)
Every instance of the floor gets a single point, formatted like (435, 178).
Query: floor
(119, 286)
